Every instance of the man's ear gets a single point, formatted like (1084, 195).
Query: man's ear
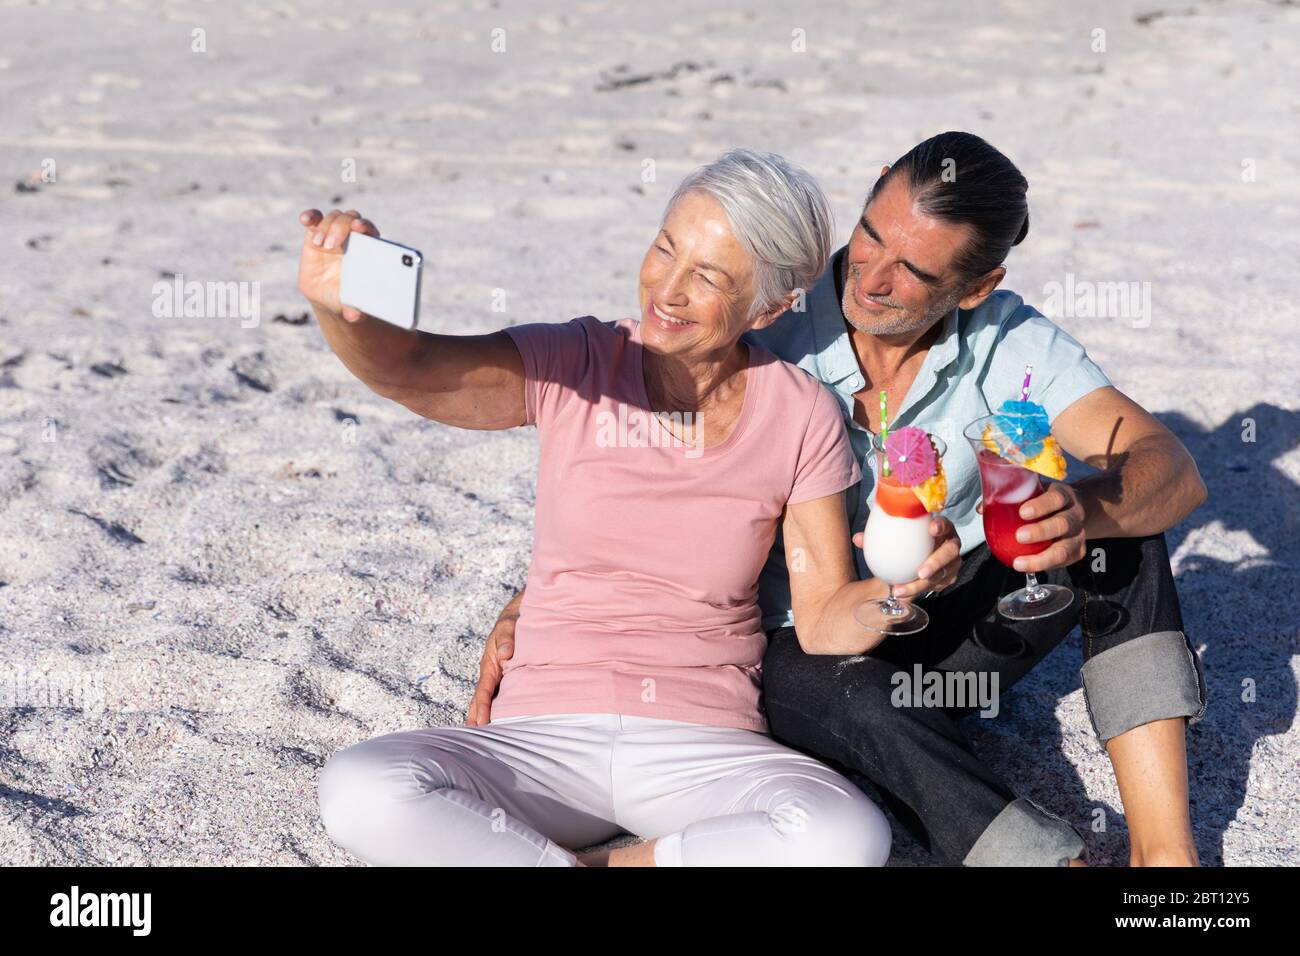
(982, 289)
(883, 170)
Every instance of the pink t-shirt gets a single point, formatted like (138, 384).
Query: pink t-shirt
(642, 593)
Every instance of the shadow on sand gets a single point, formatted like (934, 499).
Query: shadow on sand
(1239, 611)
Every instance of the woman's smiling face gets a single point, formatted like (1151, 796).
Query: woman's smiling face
(696, 281)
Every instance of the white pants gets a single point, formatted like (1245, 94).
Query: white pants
(520, 790)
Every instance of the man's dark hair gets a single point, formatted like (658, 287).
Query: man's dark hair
(959, 178)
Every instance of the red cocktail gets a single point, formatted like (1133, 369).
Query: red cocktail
(1006, 486)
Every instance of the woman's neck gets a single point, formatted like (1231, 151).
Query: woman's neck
(692, 383)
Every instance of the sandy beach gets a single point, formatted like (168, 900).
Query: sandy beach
(222, 558)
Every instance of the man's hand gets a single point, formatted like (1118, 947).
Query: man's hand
(1056, 515)
(940, 570)
(500, 646)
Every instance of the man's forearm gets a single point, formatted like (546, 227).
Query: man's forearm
(1147, 490)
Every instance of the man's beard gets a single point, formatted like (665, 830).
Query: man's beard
(898, 321)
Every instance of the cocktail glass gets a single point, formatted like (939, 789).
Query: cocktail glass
(895, 543)
(1006, 486)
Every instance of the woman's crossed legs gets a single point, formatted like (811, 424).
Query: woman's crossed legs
(520, 790)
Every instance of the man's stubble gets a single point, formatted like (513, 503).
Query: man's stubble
(898, 322)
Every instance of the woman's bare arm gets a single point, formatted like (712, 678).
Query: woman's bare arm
(824, 586)
(471, 381)
(824, 589)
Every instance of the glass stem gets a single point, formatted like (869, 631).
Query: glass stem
(1036, 592)
(891, 603)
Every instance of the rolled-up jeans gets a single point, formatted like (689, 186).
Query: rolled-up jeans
(1138, 667)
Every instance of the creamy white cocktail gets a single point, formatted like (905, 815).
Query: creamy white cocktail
(910, 490)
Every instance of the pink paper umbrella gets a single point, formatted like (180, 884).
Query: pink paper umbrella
(911, 456)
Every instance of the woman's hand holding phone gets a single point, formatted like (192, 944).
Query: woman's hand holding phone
(320, 267)
(470, 381)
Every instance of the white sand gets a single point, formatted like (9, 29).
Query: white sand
(248, 583)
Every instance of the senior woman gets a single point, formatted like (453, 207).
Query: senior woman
(632, 702)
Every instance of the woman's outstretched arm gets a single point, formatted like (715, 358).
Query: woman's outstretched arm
(471, 381)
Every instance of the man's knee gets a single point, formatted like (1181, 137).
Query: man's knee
(1112, 565)
(816, 683)
(848, 714)
(832, 687)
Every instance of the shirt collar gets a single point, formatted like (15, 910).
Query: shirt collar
(835, 358)
(942, 353)
(947, 346)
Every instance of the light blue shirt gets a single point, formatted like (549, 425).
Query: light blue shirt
(977, 363)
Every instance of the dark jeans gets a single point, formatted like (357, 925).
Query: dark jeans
(1139, 667)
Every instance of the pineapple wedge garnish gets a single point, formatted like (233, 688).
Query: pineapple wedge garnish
(1049, 461)
(933, 492)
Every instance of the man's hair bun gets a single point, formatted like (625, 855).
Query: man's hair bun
(1024, 231)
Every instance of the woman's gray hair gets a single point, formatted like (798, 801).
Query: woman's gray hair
(778, 214)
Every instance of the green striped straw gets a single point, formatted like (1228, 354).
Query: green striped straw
(884, 433)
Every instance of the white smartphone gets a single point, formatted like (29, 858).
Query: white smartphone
(382, 279)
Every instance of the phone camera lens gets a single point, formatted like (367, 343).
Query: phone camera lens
(407, 261)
